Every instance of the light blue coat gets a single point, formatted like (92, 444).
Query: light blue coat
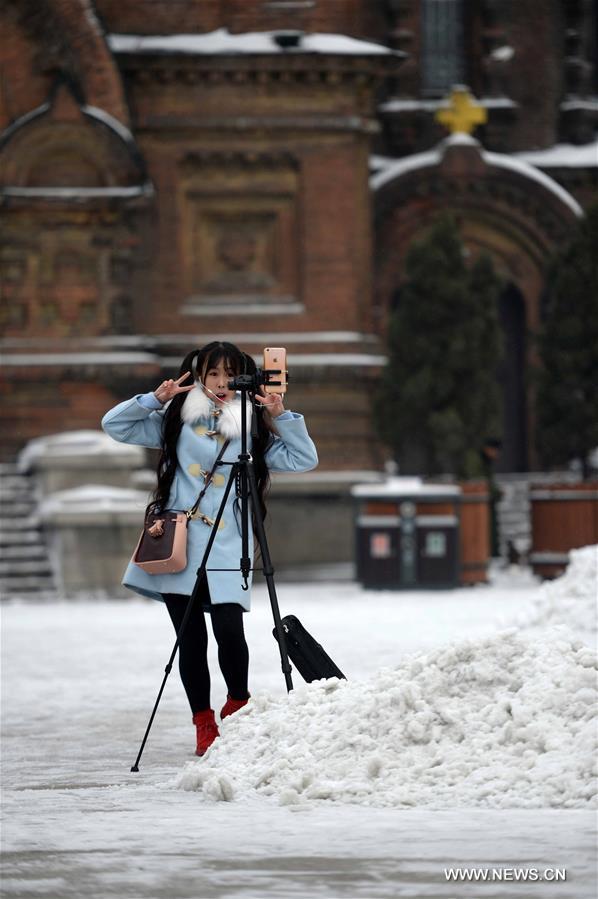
(292, 450)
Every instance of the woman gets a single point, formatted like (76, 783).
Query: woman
(190, 423)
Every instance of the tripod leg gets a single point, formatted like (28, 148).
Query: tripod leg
(269, 575)
(201, 574)
(245, 563)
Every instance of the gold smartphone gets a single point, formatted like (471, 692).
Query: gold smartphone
(275, 361)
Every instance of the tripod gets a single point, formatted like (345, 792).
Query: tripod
(242, 474)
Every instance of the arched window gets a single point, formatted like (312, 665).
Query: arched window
(442, 63)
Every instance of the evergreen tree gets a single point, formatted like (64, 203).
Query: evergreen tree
(567, 397)
(440, 398)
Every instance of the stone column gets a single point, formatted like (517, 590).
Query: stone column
(91, 533)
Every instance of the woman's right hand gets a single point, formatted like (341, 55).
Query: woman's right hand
(169, 389)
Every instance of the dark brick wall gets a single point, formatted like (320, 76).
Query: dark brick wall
(366, 18)
(281, 142)
(43, 40)
(42, 399)
(536, 81)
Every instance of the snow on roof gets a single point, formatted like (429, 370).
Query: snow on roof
(222, 41)
(352, 360)
(106, 358)
(397, 167)
(270, 337)
(500, 160)
(409, 104)
(91, 500)
(101, 340)
(573, 102)
(92, 18)
(325, 477)
(333, 359)
(399, 486)
(503, 53)
(378, 162)
(98, 115)
(441, 728)
(93, 112)
(79, 193)
(71, 444)
(563, 156)
(22, 121)
(416, 161)
(101, 115)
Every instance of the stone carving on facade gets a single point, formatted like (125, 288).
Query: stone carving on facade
(69, 175)
(66, 279)
(242, 252)
(241, 211)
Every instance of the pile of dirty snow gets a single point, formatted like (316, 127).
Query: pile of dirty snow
(571, 600)
(504, 722)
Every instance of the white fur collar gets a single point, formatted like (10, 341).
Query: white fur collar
(197, 405)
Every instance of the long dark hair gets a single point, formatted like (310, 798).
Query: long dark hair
(198, 362)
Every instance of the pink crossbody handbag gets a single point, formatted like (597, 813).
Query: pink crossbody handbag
(162, 546)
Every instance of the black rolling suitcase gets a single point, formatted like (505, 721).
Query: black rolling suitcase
(309, 658)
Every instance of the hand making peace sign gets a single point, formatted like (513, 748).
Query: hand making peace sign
(169, 389)
(273, 402)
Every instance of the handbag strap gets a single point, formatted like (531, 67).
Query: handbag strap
(190, 512)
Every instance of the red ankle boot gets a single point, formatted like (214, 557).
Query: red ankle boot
(232, 705)
(207, 730)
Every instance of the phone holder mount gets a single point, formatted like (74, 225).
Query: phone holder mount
(261, 377)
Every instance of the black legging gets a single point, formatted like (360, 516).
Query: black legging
(233, 654)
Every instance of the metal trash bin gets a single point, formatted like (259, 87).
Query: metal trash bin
(407, 534)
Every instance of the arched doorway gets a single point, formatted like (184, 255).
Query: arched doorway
(502, 207)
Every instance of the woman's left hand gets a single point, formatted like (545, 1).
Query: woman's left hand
(272, 402)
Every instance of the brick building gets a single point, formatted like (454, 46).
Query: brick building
(173, 171)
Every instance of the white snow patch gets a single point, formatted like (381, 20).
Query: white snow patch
(334, 359)
(506, 721)
(75, 444)
(503, 54)
(563, 156)
(571, 600)
(269, 337)
(399, 167)
(498, 103)
(377, 162)
(575, 102)
(460, 138)
(91, 17)
(24, 120)
(107, 358)
(501, 160)
(350, 476)
(408, 104)
(81, 193)
(433, 157)
(405, 486)
(111, 122)
(93, 499)
(254, 42)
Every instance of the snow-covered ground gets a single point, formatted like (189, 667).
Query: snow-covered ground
(462, 737)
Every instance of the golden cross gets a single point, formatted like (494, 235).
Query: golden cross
(462, 114)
